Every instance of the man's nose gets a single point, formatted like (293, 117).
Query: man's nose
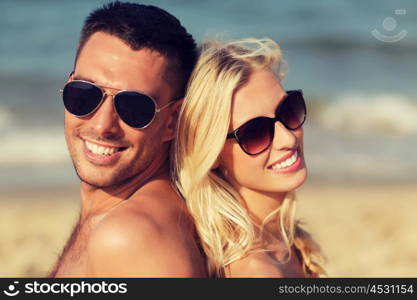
(283, 137)
(105, 121)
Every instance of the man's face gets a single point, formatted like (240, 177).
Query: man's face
(105, 151)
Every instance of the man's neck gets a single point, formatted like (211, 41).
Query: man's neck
(97, 200)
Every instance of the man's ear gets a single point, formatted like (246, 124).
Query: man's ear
(171, 124)
(70, 76)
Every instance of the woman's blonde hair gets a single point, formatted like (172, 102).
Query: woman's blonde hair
(225, 228)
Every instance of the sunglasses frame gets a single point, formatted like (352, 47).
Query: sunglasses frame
(105, 94)
(234, 134)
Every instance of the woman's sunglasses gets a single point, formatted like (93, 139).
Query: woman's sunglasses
(82, 98)
(256, 135)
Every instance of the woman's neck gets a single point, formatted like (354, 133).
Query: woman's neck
(261, 207)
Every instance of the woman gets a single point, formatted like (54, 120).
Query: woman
(238, 159)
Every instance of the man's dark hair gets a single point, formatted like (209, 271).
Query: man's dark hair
(146, 26)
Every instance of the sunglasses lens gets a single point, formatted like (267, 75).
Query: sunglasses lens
(81, 98)
(293, 110)
(256, 135)
(135, 109)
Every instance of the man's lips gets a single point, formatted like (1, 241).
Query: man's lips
(102, 154)
(98, 148)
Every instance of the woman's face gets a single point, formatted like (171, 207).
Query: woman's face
(260, 96)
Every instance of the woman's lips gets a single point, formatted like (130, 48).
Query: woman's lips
(288, 164)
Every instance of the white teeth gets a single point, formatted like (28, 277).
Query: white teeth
(287, 162)
(100, 150)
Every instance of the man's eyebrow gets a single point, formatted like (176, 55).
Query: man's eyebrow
(81, 77)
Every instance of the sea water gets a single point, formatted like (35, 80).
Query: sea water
(360, 91)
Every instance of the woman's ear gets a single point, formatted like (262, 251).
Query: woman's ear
(220, 169)
(216, 164)
(171, 123)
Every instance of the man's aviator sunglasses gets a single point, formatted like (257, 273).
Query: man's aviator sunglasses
(82, 98)
(256, 135)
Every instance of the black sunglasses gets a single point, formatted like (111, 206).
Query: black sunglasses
(136, 109)
(256, 135)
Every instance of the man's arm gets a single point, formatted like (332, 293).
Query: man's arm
(134, 245)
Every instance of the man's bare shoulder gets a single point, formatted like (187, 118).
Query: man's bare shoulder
(134, 240)
(125, 224)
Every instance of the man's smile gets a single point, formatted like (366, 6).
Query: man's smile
(102, 150)
(103, 155)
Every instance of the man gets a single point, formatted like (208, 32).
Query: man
(131, 67)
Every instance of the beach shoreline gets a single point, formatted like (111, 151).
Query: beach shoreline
(365, 230)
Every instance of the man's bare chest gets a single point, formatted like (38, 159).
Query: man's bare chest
(74, 259)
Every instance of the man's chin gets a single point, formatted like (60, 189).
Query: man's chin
(100, 181)
(97, 184)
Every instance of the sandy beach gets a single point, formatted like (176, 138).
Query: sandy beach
(364, 230)
(34, 227)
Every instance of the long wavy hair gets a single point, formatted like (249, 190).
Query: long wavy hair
(226, 231)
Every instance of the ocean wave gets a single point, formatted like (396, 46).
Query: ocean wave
(358, 113)
(340, 44)
(33, 147)
(393, 114)
(5, 118)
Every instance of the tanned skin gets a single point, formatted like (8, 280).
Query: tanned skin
(132, 222)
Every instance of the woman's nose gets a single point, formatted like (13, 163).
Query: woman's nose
(283, 137)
